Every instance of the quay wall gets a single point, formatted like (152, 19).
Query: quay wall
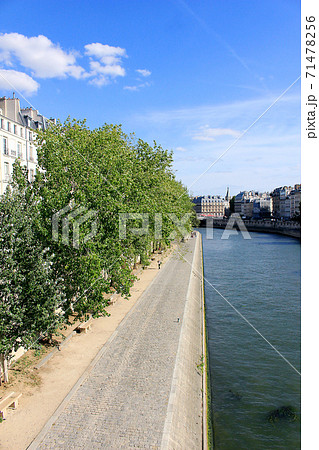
(186, 420)
(146, 387)
(291, 229)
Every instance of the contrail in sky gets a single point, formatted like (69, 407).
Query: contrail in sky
(218, 38)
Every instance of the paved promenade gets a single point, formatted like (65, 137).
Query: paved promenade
(122, 402)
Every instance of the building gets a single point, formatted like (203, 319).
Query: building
(282, 203)
(281, 208)
(295, 200)
(211, 205)
(244, 203)
(247, 208)
(252, 204)
(286, 201)
(263, 206)
(238, 199)
(17, 138)
(275, 194)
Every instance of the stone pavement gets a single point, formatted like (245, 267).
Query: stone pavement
(122, 402)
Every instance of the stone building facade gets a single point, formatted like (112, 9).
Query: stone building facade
(286, 201)
(212, 205)
(17, 138)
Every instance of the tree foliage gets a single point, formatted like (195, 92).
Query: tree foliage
(101, 170)
(232, 204)
(30, 291)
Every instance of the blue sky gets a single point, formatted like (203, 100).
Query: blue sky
(192, 75)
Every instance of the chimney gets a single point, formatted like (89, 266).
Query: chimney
(10, 107)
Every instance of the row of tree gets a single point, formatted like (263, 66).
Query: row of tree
(47, 277)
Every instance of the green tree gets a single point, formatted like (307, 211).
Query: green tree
(30, 293)
(111, 173)
(43, 280)
(232, 205)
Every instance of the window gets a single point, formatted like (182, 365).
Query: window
(19, 149)
(5, 146)
(9, 126)
(15, 129)
(21, 132)
(30, 136)
(2, 123)
(31, 175)
(6, 171)
(31, 154)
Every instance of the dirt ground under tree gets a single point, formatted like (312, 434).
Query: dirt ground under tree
(44, 389)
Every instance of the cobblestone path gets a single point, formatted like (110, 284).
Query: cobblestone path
(122, 404)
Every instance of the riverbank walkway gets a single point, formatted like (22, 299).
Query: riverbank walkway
(125, 397)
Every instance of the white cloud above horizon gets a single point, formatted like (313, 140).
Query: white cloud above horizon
(272, 144)
(144, 72)
(105, 62)
(20, 81)
(221, 112)
(24, 59)
(137, 87)
(206, 133)
(44, 58)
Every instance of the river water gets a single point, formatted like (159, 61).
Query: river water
(259, 277)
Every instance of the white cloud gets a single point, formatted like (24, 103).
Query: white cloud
(44, 58)
(144, 72)
(12, 79)
(131, 88)
(105, 61)
(272, 141)
(137, 87)
(243, 113)
(101, 51)
(209, 134)
(100, 81)
(40, 58)
(114, 70)
(181, 149)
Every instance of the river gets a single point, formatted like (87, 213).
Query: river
(260, 278)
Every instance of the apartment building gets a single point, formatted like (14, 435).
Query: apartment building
(247, 208)
(295, 200)
(17, 138)
(263, 206)
(212, 205)
(281, 208)
(286, 201)
(244, 203)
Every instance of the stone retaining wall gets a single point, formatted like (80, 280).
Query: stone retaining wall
(184, 421)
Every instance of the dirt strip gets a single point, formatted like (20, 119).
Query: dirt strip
(52, 382)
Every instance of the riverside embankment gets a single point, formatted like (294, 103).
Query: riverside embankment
(285, 228)
(144, 388)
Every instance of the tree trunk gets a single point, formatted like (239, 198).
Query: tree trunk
(4, 368)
